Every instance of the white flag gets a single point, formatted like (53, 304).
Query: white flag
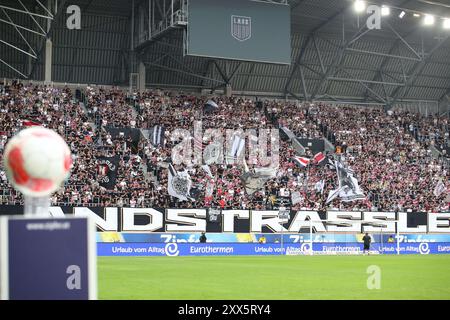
(296, 197)
(439, 189)
(319, 186)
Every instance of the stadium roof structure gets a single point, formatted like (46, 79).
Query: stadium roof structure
(334, 56)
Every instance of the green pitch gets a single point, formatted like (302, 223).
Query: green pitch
(280, 277)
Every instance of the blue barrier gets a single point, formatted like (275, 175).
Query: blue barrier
(165, 237)
(236, 249)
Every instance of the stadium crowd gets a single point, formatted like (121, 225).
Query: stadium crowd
(388, 151)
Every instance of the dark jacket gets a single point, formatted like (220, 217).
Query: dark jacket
(367, 240)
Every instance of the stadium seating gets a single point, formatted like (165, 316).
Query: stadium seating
(389, 152)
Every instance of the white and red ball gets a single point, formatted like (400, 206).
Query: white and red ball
(37, 160)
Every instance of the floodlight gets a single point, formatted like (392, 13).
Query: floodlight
(359, 6)
(446, 23)
(428, 20)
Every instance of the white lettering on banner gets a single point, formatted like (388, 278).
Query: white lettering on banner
(108, 223)
(156, 250)
(300, 221)
(418, 238)
(194, 220)
(173, 238)
(211, 249)
(188, 218)
(381, 218)
(443, 248)
(131, 250)
(439, 222)
(346, 217)
(258, 219)
(263, 249)
(128, 219)
(341, 249)
(121, 250)
(228, 218)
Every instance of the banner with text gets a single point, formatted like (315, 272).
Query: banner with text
(186, 249)
(149, 220)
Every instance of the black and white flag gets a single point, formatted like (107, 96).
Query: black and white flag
(439, 189)
(156, 136)
(254, 181)
(348, 189)
(210, 106)
(179, 184)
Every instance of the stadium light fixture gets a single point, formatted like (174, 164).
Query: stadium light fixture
(385, 11)
(446, 23)
(402, 14)
(416, 15)
(359, 6)
(428, 20)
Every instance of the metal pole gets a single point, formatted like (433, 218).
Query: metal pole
(398, 239)
(24, 28)
(383, 54)
(149, 20)
(32, 18)
(397, 84)
(382, 240)
(171, 16)
(48, 11)
(18, 49)
(30, 13)
(310, 235)
(10, 66)
(132, 26)
(18, 31)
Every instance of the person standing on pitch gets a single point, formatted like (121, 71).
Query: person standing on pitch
(367, 240)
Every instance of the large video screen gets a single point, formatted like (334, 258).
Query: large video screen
(240, 30)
